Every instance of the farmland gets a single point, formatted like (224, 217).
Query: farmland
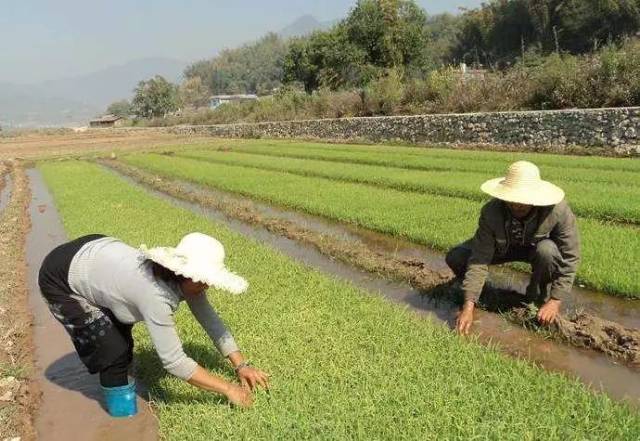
(382, 199)
(344, 364)
(345, 361)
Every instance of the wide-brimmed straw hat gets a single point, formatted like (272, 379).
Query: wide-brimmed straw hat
(523, 185)
(200, 258)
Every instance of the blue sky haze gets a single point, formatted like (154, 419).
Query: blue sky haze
(44, 39)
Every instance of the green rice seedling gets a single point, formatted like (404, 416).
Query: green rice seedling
(437, 221)
(597, 200)
(543, 159)
(344, 364)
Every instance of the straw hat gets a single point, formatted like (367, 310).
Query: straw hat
(200, 258)
(523, 185)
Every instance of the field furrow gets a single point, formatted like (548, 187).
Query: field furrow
(344, 364)
(437, 221)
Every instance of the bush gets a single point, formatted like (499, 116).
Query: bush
(383, 96)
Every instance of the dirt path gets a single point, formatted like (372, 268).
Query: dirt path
(91, 142)
(592, 368)
(71, 398)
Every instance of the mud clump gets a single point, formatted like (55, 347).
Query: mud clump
(581, 330)
(592, 332)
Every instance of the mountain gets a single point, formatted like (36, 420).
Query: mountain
(105, 86)
(304, 26)
(73, 101)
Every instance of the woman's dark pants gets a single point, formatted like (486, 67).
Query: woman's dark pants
(103, 343)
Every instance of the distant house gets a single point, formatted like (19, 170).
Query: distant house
(217, 100)
(465, 73)
(107, 121)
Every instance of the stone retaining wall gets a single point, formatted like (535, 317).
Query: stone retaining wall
(616, 129)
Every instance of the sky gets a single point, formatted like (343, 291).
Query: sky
(45, 39)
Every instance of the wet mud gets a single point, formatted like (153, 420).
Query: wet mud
(18, 396)
(429, 290)
(71, 405)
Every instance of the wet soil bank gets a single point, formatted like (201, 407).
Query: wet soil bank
(6, 184)
(71, 404)
(18, 397)
(359, 262)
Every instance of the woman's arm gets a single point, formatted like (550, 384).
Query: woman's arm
(222, 338)
(240, 396)
(158, 318)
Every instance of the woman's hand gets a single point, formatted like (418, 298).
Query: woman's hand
(251, 377)
(239, 396)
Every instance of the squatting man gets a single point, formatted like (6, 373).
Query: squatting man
(528, 220)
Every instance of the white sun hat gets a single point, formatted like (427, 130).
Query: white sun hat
(523, 185)
(198, 257)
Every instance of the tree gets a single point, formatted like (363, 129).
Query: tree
(326, 59)
(503, 30)
(155, 97)
(391, 32)
(252, 68)
(120, 108)
(376, 35)
(194, 93)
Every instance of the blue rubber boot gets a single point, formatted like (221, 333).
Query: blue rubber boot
(121, 401)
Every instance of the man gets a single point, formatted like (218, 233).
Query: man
(527, 221)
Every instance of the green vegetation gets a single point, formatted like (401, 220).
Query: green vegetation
(344, 364)
(154, 98)
(433, 220)
(588, 199)
(251, 68)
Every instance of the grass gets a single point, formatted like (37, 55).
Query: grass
(344, 364)
(588, 199)
(437, 221)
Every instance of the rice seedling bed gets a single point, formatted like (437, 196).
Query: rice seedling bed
(344, 364)
(437, 221)
(598, 200)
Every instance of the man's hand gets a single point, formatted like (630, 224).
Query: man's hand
(549, 312)
(251, 377)
(465, 318)
(239, 396)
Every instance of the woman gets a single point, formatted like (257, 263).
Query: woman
(98, 287)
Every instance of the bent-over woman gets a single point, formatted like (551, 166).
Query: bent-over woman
(98, 287)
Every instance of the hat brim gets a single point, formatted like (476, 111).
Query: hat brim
(219, 278)
(541, 194)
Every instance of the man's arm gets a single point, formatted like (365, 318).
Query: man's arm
(482, 251)
(566, 237)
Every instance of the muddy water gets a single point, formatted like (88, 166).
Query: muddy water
(594, 369)
(71, 399)
(619, 310)
(5, 193)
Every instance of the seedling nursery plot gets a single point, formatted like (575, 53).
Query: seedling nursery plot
(344, 364)
(434, 211)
